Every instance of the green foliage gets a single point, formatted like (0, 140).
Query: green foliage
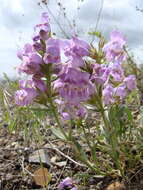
(25, 120)
(96, 33)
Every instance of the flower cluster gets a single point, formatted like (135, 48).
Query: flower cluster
(114, 83)
(114, 49)
(32, 60)
(29, 91)
(42, 31)
(73, 84)
(74, 87)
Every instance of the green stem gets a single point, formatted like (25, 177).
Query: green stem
(92, 149)
(50, 100)
(110, 135)
(82, 155)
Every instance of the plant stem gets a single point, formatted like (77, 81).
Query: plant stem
(110, 135)
(92, 149)
(50, 100)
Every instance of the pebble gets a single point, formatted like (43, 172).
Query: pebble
(39, 156)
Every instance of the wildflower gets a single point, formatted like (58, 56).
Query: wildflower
(67, 183)
(121, 91)
(75, 49)
(30, 60)
(65, 116)
(74, 85)
(37, 46)
(25, 96)
(80, 47)
(29, 91)
(52, 54)
(70, 110)
(108, 93)
(35, 83)
(40, 85)
(114, 49)
(100, 73)
(130, 82)
(27, 49)
(116, 71)
(81, 112)
(42, 30)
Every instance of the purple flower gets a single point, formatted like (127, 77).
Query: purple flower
(75, 46)
(75, 49)
(100, 73)
(130, 82)
(29, 91)
(52, 54)
(66, 183)
(26, 50)
(29, 66)
(40, 84)
(114, 49)
(121, 91)
(80, 47)
(81, 112)
(117, 72)
(45, 17)
(35, 83)
(42, 31)
(38, 46)
(30, 60)
(75, 61)
(65, 116)
(74, 85)
(108, 93)
(25, 96)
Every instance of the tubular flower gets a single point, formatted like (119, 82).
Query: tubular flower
(130, 82)
(29, 91)
(100, 73)
(42, 30)
(108, 93)
(74, 85)
(117, 72)
(52, 54)
(25, 96)
(30, 60)
(35, 83)
(75, 49)
(114, 49)
(121, 91)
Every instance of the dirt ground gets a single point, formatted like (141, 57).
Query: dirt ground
(16, 172)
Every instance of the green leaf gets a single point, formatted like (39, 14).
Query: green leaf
(80, 150)
(129, 114)
(57, 132)
(95, 33)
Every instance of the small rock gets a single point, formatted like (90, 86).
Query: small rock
(9, 177)
(39, 156)
(61, 164)
(116, 186)
(13, 144)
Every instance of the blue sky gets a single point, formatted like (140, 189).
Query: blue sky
(17, 17)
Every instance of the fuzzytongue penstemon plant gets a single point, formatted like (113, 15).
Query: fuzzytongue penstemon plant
(66, 81)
